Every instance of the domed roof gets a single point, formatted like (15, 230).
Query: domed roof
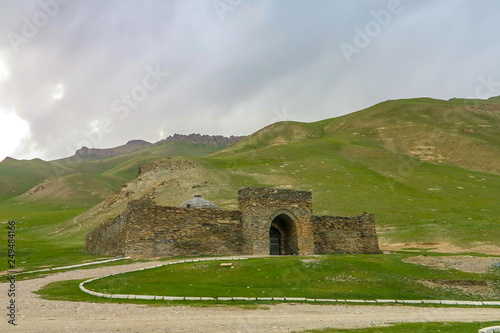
(198, 202)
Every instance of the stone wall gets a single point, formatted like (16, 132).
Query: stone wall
(261, 207)
(333, 234)
(147, 230)
(156, 231)
(108, 238)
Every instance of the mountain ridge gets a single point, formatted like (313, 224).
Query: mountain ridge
(44, 181)
(136, 145)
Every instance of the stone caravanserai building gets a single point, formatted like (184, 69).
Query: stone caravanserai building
(269, 221)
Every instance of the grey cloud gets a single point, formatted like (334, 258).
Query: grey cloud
(227, 77)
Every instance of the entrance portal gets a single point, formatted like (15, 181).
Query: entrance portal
(283, 236)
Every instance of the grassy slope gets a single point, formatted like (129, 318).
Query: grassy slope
(100, 177)
(426, 203)
(458, 132)
(428, 169)
(17, 177)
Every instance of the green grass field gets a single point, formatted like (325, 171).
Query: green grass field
(35, 247)
(335, 277)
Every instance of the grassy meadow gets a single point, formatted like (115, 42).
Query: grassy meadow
(35, 247)
(335, 277)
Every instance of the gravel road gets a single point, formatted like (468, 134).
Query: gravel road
(39, 315)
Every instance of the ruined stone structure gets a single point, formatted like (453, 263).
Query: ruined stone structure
(269, 221)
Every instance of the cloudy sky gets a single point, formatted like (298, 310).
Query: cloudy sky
(99, 73)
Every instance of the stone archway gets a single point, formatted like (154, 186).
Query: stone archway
(283, 238)
(287, 211)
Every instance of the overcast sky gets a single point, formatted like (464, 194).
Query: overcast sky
(99, 73)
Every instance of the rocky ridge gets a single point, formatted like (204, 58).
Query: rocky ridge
(136, 145)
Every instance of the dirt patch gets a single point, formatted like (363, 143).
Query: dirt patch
(342, 277)
(308, 261)
(442, 247)
(468, 264)
(483, 289)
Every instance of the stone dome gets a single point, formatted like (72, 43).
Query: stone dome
(198, 202)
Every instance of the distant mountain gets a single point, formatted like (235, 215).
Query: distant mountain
(92, 174)
(212, 140)
(129, 147)
(137, 145)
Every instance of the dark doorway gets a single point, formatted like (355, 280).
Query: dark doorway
(275, 241)
(283, 236)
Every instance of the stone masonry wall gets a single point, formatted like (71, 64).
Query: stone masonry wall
(156, 231)
(147, 230)
(108, 238)
(333, 234)
(260, 206)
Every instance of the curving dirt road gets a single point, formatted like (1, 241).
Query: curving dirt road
(39, 315)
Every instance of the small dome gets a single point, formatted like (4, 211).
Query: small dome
(198, 202)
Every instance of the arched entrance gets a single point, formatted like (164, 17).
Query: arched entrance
(283, 236)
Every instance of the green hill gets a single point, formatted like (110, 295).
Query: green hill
(428, 169)
(85, 180)
(464, 133)
(17, 177)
